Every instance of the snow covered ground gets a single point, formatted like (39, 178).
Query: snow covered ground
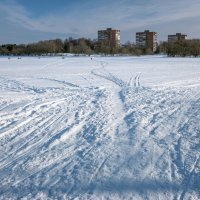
(106, 128)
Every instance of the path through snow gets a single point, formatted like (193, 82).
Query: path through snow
(118, 140)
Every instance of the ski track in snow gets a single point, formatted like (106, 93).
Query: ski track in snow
(125, 141)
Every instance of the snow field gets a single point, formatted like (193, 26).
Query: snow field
(106, 128)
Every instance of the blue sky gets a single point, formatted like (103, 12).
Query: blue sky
(24, 21)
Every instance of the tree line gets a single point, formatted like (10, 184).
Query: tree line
(70, 45)
(88, 46)
(181, 48)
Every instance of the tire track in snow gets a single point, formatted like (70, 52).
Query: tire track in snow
(166, 124)
(17, 86)
(107, 137)
(42, 113)
(163, 121)
(87, 149)
(31, 149)
(61, 82)
(32, 133)
(43, 107)
(56, 63)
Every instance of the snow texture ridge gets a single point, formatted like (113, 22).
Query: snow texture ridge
(77, 128)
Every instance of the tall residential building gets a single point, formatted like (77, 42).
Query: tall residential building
(178, 36)
(147, 39)
(109, 35)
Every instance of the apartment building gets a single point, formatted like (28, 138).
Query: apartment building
(110, 35)
(147, 39)
(178, 36)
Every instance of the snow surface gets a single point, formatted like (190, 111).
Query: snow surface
(106, 128)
